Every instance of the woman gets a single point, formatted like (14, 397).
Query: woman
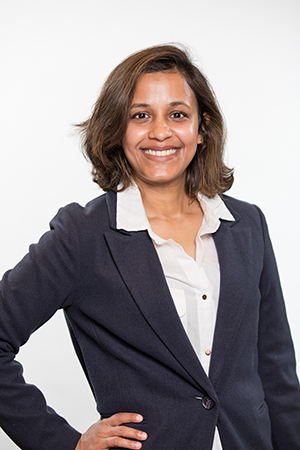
(170, 291)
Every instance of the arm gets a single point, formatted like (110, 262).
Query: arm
(277, 367)
(29, 295)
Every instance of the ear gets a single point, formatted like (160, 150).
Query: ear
(204, 123)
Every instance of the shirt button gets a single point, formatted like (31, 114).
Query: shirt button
(207, 352)
(204, 297)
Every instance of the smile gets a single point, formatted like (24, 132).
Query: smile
(168, 152)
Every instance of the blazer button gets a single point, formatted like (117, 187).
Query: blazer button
(207, 402)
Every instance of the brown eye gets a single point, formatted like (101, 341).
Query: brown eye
(140, 116)
(178, 115)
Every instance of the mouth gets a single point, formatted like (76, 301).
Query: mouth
(170, 151)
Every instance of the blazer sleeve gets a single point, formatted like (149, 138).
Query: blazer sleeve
(30, 294)
(277, 366)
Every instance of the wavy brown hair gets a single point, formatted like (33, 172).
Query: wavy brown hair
(103, 132)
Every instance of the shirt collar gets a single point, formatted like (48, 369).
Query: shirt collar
(131, 215)
(214, 209)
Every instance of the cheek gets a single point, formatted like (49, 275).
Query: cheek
(189, 135)
(131, 151)
(130, 155)
(132, 138)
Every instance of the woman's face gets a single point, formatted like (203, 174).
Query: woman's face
(162, 132)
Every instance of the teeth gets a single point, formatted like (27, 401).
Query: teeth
(171, 151)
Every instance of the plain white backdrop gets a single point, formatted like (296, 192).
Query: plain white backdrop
(55, 56)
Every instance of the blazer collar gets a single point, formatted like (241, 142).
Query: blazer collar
(149, 289)
(111, 201)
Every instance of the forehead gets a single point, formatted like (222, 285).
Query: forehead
(163, 87)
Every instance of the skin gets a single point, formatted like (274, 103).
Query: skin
(109, 433)
(164, 118)
(163, 121)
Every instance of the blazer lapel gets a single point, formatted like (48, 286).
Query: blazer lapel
(233, 243)
(140, 268)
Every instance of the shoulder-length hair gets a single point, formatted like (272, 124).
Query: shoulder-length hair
(103, 132)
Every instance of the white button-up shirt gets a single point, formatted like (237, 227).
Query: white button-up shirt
(194, 284)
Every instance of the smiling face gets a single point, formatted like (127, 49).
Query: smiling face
(162, 132)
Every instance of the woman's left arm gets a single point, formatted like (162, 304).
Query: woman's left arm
(277, 366)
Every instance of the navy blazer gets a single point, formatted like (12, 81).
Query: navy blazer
(131, 343)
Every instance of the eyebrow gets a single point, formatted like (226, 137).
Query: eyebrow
(139, 105)
(180, 104)
(146, 105)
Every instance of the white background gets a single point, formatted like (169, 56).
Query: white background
(55, 56)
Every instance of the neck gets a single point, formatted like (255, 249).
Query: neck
(169, 201)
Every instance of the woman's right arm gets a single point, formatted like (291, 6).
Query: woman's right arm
(30, 294)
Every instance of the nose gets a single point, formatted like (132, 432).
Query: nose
(160, 130)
